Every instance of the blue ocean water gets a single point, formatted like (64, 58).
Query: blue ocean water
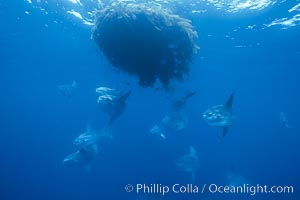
(254, 53)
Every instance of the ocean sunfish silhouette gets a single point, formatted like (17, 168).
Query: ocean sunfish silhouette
(170, 124)
(112, 103)
(82, 157)
(188, 163)
(285, 121)
(220, 115)
(68, 90)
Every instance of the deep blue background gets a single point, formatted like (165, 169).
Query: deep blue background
(38, 125)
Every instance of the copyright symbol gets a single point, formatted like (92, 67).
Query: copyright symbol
(129, 188)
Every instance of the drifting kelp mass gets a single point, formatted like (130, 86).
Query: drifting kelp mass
(146, 41)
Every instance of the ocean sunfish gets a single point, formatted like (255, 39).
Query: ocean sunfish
(220, 115)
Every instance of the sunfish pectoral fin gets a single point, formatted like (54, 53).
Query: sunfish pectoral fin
(225, 131)
(229, 101)
(192, 151)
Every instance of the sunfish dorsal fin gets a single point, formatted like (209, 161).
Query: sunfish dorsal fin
(229, 101)
(120, 105)
(192, 151)
(190, 94)
(124, 97)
